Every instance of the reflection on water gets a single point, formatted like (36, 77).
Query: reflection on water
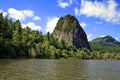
(37, 69)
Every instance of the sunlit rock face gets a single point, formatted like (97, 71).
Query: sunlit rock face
(69, 30)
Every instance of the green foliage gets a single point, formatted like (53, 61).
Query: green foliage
(104, 44)
(63, 23)
(16, 42)
(73, 22)
(59, 24)
(32, 52)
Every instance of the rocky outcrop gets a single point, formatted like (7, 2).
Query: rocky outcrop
(69, 30)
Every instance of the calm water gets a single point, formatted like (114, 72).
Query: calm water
(37, 69)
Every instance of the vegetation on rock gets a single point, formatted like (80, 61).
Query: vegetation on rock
(63, 25)
(69, 30)
(16, 42)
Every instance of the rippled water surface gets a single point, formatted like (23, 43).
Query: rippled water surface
(41, 69)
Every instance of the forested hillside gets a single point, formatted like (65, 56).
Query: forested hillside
(18, 42)
(107, 43)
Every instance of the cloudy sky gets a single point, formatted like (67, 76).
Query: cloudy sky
(97, 17)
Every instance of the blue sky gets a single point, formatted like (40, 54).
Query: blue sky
(97, 17)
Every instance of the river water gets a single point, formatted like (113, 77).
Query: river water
(61, 69)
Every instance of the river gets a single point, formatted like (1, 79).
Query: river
(60, 69)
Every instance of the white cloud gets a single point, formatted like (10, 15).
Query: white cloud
(106, 11)
(83, 24)
(4, 13)
(36, 18)
(103, 36)
(64, 4)
(89, 37)
(116, 38)
(51, 24)
(32, 26)
(20, 14)
(76, 11)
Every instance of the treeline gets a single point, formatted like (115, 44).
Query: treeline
(105, 46)
(16, 42)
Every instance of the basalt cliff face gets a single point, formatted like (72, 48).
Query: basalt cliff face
(69, 30)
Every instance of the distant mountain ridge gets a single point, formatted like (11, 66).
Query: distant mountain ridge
(106, 39)
(107, 43)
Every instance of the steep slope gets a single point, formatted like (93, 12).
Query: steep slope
(69, 30)
(106, 43)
